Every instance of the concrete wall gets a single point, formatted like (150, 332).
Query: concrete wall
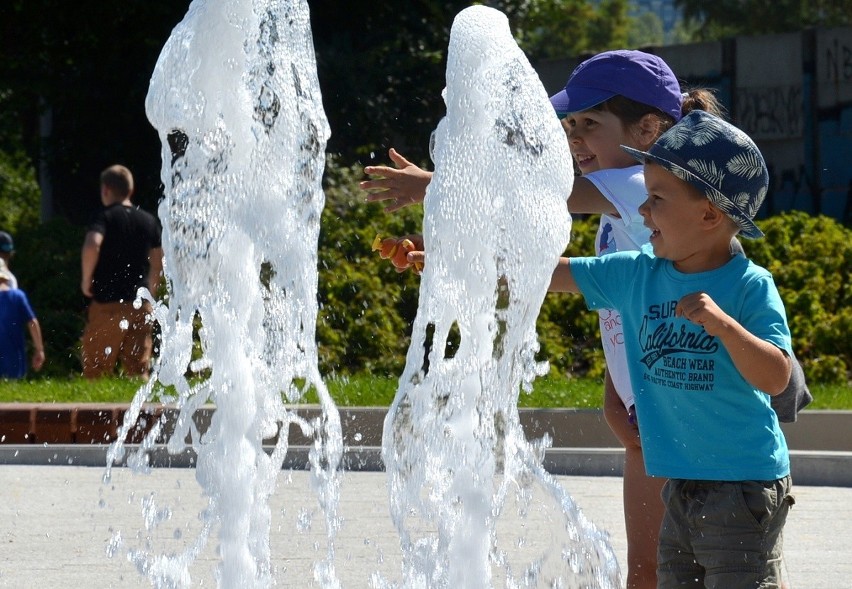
(792, 93)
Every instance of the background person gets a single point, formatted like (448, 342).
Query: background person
(122, 253)
(7, 251)
(15, 314)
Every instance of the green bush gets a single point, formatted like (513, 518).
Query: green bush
(568, 331)
(20, 196)
(810, 258)
(47, 265)
(367, 309)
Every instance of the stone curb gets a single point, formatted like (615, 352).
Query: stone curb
(94, 423)
(825, 469)
(581, 442)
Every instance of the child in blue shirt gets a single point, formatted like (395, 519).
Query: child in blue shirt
(15, 315)
(707, 344)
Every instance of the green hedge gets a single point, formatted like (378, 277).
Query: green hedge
(810, 259)
(47, 265)
(366, 308)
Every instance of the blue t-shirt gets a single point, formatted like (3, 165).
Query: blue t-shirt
(700, 419)
(15, 314)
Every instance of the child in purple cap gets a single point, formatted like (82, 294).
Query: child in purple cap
(707, 343)
(614, 98)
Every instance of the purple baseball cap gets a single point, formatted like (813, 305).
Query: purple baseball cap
(636, 75)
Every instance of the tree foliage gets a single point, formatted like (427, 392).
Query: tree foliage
(84, 67)
(716, 19)
(19, 193)
(553, 29)
(74, 77)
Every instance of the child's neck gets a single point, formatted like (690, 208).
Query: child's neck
(706, 258)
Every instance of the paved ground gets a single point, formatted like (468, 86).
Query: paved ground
(58, 523)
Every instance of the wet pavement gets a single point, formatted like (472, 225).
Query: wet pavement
(60, 522)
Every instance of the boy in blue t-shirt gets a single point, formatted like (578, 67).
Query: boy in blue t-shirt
(15, 315)
(707, 344)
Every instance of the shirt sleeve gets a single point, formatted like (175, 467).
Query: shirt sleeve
(763, 312)
(25, 309)
(624, 188)
(595, 277)
(98, 224)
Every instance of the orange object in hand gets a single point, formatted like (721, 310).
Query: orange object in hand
(396, 250)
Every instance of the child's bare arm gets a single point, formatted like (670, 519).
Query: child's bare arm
(404, 185)
(762, 364)
(587, 199)
(562, 279)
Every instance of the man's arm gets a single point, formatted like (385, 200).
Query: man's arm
(38, 344)
(155, 269)
(89, 259)
(765, 366)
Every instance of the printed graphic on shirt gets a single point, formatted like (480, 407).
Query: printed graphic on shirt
(607, 240)
(672, 350)
(611, 328)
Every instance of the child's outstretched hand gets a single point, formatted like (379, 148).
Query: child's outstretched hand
(403, 252)
(404, 185)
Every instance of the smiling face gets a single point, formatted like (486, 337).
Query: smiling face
(595, 137)
(685, 226)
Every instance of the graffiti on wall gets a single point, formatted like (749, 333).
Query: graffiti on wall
(837, 61)
(771, 113)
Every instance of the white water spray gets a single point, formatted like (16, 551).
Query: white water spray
(495, 224)
(236, 101)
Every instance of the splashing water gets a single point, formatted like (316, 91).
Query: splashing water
(236, 101)
(495, 224)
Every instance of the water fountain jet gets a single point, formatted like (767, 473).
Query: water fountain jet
(235, 99)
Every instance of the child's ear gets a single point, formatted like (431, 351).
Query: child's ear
(713, 216)
(648, 129)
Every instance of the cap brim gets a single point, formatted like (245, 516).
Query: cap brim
(747, 227)
(578, 100)
(559, 101)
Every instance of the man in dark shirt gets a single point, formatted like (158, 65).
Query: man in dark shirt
(122, 253)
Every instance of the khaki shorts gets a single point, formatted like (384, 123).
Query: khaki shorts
(723, 534)
(116, 332)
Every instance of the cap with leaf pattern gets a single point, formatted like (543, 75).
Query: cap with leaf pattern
(720, 160)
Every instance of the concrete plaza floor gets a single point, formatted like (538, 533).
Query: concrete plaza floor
(60, 522)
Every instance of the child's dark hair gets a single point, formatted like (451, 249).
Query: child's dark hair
(630, 111)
